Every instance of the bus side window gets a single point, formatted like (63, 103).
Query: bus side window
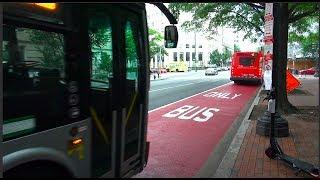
(100, 35)
(33, 74)
(101, 49)
(132, 61)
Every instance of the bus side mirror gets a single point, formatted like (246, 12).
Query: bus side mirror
(170, 36)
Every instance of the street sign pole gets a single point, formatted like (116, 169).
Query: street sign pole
(272, 124)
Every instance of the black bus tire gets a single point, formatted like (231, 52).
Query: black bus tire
(37, 169)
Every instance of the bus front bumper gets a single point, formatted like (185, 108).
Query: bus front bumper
(251, 79)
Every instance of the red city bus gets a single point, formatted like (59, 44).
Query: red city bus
(247, 66)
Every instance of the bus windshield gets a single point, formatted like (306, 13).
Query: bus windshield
(246, 61)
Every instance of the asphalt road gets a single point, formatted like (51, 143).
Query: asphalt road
(188, 138)
(181, 85)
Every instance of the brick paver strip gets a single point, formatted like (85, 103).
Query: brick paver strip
(237, 149)
(251, 160)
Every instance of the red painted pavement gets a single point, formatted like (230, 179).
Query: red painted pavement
(179, 148)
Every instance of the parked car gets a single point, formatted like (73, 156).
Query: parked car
(211, 71)
(310, 71)
(219, 69)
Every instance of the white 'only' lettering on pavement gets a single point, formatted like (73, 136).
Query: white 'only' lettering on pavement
(222, 95)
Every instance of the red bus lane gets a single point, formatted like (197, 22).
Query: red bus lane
(183, 134)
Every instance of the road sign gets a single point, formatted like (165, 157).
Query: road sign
(268, 28)
(269, 9)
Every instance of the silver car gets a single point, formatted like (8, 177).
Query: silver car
(211, 71)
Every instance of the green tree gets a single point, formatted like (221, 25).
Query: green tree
(215, 57)
(226, 55)
(309, 43)
(249, 17)
(155, 39)
(236, 47)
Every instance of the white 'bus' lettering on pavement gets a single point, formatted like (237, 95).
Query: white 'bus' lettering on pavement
(178, 111)
(187, 112)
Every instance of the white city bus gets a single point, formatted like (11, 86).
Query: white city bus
(75, 89)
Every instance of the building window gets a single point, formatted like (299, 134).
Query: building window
(181, 56)
(187, 45)
(200, 56)
(193, 56)
(200, 46)
(175, 56)
(193, 46)
(187, 56)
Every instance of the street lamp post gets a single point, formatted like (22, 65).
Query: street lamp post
(159, 59)
(190, 59)
(195, 49)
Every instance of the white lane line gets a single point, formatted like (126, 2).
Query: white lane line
(188, 97)
(176, 86)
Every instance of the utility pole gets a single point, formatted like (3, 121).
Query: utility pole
(195, 48)
(159, 59)
(190, 59)
(222, 41)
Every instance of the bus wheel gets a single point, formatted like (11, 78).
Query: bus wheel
(37, 169)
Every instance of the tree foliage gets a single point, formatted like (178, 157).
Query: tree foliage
(296, 18)
(247, 17)
(215, 57)
(220, 58)
(308, 42)
(226, 55)
(155, 39)
(236, 47)
(310, 45)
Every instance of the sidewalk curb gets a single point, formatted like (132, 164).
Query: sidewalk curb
(225, 167)
(210, 167)
(158, 79)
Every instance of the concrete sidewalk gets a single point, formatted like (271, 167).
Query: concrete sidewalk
(167, 75)
(245, 156)
(163, 76)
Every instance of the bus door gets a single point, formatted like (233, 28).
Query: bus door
(118, 89)
(135, 89)
(103, 97)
